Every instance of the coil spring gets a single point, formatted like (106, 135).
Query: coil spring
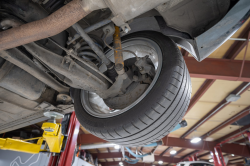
(87, 53)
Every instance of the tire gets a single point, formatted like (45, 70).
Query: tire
(157, 113)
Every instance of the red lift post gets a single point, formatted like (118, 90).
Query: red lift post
(217, 153)
(213, 154)
(66, 157)
(192, 158)
(248, 135)
(219, 157)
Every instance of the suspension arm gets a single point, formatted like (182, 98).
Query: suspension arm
(18, 58)
(77, 75)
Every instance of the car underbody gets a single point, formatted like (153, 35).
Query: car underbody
(50, 49)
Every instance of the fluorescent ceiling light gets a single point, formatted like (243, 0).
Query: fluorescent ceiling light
(195, 140)
(120, 163)
(160, 162)
(172, 151)
(232, 154)
(211, 160)
(117, 146)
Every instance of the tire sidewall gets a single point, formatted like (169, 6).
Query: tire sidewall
(170, 57)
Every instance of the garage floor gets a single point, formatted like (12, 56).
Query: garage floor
(10, 158)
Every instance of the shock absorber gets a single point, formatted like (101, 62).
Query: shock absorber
(119, 63)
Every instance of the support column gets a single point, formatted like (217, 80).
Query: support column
(248, 135)
(214, 158)
(66, 157)
(195, 157)
(219, 156)
(191, 158)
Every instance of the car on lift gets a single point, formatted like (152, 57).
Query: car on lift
(116, 63)
(194, 163)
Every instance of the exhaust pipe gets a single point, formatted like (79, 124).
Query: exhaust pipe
(55, 23)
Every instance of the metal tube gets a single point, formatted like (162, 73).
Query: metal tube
(96, 25)
(96, 146)
(238, 39)
(49, 26)
(246, 86)
(89, 29)
(91, 43)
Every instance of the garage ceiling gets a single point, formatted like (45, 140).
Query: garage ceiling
(209, 90)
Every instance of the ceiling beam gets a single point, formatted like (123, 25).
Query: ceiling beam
(119, 155)
(85, 139)
(232, 164)
(203, 88)
(216, 109)
(231, 120)
(207, 145)
(167, 159)
(165, 151)
(243, 140)
(190, 154)
(232, 134)
(223, 69)
(202, 155)
(184, 52)
(239, 150)
(179, 151)
(236, 159)
(237, 163)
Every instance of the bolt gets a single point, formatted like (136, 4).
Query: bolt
(126, 29)
(118, 67)
(71, 50)
(64, 97)
(140, 68)
(135, 78)
(67, 61)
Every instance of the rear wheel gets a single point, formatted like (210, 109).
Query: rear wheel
(157, 111)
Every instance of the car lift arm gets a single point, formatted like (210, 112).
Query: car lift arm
(52, 136)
